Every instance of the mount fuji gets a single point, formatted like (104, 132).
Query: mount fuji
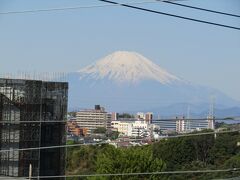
(128, 82)
(127, 67)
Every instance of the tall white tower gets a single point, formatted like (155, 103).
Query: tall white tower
(211, 117)
(188, 128)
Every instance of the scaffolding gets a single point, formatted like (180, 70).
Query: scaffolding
(32, 100)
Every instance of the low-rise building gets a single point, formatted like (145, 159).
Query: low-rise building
(182, 125)
(74, 129)
(166, 124)
(123, 127)
(93, 119)
(148, 117)
(114, 116)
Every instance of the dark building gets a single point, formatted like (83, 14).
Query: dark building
(32, 114)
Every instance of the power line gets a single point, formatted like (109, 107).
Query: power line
(171, 119)
(62, 146)
(164, 119)
(233, 178)
(69, 8)
(100, 143)
(143, 173)
(198, 8)
(197, 119)
(129, 6)
(172, 15)
(200, 134)
(50, 147)
(25, 122)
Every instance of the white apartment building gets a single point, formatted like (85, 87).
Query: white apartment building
(93, 118)
(131, 128)
(185, 125)
(211, 122)
(123, 127)
(180, 125)
(140, 125)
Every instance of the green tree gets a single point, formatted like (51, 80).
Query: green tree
(112, 134)
(183, 153)
(73, 113)
(125, 115)
(174, 152)
(225, 147)
(233, 162)
(132, 160)
(81, 159)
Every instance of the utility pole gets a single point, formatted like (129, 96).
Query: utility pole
(211, 118)
(30, 171)
(188, 119)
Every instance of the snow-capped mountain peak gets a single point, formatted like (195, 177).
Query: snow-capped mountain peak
(124, 66)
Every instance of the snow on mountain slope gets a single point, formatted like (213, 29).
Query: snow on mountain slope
(123, 66)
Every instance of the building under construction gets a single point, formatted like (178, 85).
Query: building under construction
(32, 114)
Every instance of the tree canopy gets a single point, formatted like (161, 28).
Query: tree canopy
(184, 153)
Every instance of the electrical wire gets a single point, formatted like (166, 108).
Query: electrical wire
(200, 134)
(171, 15)
(197, 119)
(100, 143)
(70, 8)
(198, 8)
(143, 173)
(32, 122)
(97, 6)
(50, 147)
(155, 120)
(120, 4)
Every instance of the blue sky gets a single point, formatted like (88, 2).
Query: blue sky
(69, 40)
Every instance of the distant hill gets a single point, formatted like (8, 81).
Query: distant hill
(197, 110)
